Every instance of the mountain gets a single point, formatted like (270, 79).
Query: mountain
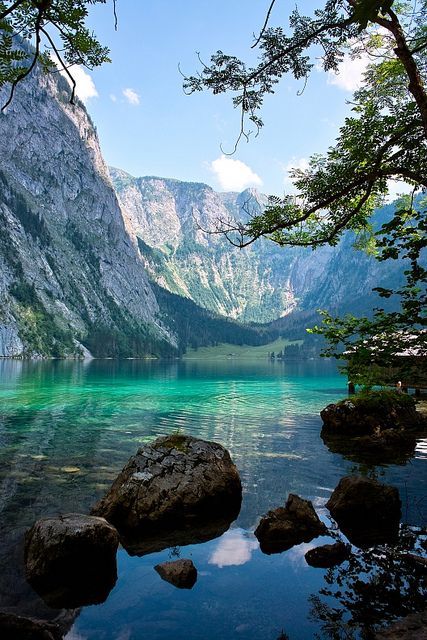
(259, 283)
(71, 280)
(86, 271)
(165, 217)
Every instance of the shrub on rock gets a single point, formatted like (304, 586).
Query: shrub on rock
(371, 413)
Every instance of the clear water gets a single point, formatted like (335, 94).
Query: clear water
(67, 428)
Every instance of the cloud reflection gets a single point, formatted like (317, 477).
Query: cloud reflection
(234, 548)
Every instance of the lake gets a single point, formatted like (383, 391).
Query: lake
(67, 428)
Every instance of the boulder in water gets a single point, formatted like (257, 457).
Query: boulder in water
(181, 573)
(366, 511)
(287, 526)
(328, 555)
(173, 490)
(70, 560)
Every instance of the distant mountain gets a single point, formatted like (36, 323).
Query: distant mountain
(260, 283)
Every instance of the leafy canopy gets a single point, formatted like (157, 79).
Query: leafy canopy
(384, 139)
(57, 30)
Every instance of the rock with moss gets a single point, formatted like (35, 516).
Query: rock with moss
(372, 413)
(177, 490)
(284, 527)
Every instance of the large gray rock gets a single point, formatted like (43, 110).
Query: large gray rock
(287, 526)
(412, 627)
(366, 511)
(176, 490)
(70, 560)
(180, 573)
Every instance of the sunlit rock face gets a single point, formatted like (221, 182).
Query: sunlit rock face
(262, 282)
(67, 263)
(166, 219)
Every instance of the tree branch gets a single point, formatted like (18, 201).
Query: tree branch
(12, 8)
(405, 56)
(62, 63)
(264, 26)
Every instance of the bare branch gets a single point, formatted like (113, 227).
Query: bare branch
(264, 26)
(63, 65)
(116, 21)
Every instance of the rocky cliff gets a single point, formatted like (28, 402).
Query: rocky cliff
(71, 280)
(259, 283)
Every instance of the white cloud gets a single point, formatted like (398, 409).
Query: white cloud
(131, 96)
(294, 163)
(234, 175)
(233, 549)
(113, 97)
(85, 86)
(350, 73)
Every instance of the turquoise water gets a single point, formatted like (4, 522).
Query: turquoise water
(67, 428)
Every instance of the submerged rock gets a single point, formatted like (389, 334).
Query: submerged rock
(366, 511)
(412, 627)
(70, 560)
(287, 526)
(180, 573)
(176, 490)
(328, 555)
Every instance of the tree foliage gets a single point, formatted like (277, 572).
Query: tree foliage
(384, 139)
(58, 33)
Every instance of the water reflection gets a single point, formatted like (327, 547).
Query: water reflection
(67, 428)
(234, 548)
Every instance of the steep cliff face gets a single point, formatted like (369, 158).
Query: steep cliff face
(69, 273)
(259, 283)
(166, 218)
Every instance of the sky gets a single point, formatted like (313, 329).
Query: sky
(148, 126)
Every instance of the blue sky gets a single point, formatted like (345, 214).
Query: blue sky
(147, 126)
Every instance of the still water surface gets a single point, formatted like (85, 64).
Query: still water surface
(67, 428)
